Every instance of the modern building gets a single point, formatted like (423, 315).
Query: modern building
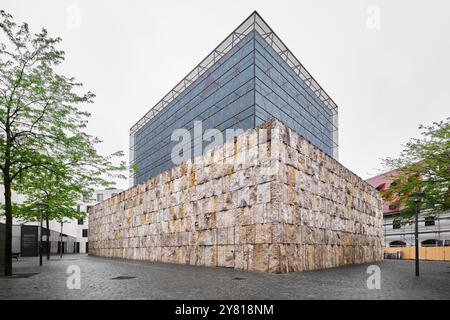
(433, 230)
(70, 237)
(305, 212)
(249, 78)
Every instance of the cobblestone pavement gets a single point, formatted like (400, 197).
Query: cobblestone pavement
(169, 281)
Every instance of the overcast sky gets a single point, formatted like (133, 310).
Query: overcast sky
(385, 63)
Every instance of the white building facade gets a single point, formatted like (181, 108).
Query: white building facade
(74, 232)
(433, 230)
(82, 225)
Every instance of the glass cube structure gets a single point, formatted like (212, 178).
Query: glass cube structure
(249, 78)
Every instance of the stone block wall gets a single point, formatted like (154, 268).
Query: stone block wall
(266, 201)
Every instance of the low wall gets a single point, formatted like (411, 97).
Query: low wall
(240, 206)
(425, 253)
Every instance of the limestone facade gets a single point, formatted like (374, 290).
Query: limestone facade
(266, 201)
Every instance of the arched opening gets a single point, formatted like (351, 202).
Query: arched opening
(397, 243)
(431, 243)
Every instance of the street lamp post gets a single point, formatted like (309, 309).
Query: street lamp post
(417, 199)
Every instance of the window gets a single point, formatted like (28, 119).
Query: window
(85, 233)
(78, 208)
(88, 208)
(397, 243)
(432, 243)
(80, 220)
(396, 224)
(392, 207)
(429, 221)
(99, 197)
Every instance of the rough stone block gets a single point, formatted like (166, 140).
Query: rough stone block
(259, 258)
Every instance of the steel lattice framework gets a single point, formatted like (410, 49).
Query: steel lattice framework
(253, 23)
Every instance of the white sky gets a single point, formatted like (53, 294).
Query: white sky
(385, 81)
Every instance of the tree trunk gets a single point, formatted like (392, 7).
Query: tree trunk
(47, 224)
(8, 225)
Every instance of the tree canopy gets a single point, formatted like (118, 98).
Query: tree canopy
(44, 146)
(424, 167)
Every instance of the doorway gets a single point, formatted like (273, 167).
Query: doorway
(61, 246)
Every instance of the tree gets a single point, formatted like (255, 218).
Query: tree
(423, 166)
(41, 126)
(54, 193)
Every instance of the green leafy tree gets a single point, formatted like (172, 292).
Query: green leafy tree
(423, 166)
(41, 126)
(53, 192)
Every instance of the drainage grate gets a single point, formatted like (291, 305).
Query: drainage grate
(19, 276)
(123, 278)
(238, 279)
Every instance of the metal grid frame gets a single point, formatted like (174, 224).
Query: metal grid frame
(253, 22)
